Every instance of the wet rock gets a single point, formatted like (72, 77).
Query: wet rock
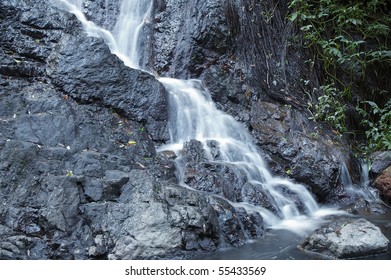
(380, 161)
(131, 93)
(347, 238)
(223, 179)
(103, 13)
(229, 92)
(232, 232)
(193, 151)
(383, 184)
(252, 223)
(187, 37)
(296, 148)
(256, 195)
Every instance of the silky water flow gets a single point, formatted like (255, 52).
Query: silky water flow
(193, 115)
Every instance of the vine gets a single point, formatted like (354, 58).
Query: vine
(348, 38)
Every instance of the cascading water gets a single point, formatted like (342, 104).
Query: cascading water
(123, 41)
(194, 116)
(362, 190)
(133, 16)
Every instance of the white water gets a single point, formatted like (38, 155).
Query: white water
(134, 14)
(123, 41)
(361, 190)
(194, 116)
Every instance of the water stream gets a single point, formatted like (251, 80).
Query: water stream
(193, 115)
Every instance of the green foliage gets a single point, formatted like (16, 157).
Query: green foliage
(378, 123)
(330, 109)
(347, 37)
(338, 30)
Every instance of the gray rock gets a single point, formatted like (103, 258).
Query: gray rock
(347, 238)
(103, 13)
(188, 36)
(380, 161)
(131, 93)
(298, 148)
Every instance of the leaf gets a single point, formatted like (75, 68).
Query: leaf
(336, 52)
(306, 27)
(293, 16)
(372, 104)
(131, 143)
(354, 21)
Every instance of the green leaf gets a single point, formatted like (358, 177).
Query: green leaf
(354, 21)
(336, 52)
(306, 27)
(293, 16)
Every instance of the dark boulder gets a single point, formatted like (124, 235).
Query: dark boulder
(380, 173)
(103, 13)
(188, 37)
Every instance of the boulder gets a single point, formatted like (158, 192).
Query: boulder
(346, 238)
(383, 184)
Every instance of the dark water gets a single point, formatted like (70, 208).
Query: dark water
(282, 245)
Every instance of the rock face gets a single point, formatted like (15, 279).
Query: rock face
(133, 94)
(79, 174)
(347, 238)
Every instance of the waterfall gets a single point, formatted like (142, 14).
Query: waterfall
(361, 190)
(193, 115)
(123, 41)
(134, 14)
